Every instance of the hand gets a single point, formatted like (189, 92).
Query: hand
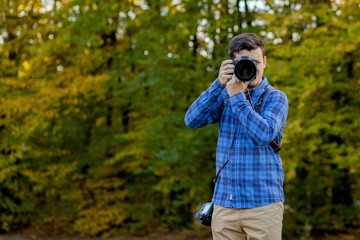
(225, 72)
(235, 86)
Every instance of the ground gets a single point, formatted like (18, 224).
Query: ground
(197, 233)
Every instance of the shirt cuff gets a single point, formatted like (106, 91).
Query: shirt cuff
(216, 87)
(238, 97)
(238, 101)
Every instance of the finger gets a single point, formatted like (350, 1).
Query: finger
(225, 62)
(229, 66)
(227, 75)
(226, 72)
(229, 71)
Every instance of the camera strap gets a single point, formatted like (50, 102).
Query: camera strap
(258, 105)
(232, 144)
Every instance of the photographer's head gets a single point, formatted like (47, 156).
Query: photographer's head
(249, 45)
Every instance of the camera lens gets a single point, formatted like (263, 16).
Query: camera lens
(245, 69)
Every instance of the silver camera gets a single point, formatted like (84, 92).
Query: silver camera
(205, 213)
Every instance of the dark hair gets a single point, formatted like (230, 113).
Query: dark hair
(247, 41)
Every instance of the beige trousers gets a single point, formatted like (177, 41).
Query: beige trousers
(258, 223)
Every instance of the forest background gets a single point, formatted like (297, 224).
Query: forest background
(93, 96)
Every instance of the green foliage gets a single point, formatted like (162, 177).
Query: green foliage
(93, 97)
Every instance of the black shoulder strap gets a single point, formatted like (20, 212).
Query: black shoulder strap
(225, 100)
(261, 100)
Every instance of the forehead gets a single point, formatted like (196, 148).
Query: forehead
(253, 54)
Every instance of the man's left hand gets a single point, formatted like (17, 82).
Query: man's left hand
(235, 86)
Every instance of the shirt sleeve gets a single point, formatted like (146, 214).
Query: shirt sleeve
(207, 108)
(262, 128)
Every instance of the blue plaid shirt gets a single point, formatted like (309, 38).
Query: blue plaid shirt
(253, 176)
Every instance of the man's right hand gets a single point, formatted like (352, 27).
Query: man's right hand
(226, 71)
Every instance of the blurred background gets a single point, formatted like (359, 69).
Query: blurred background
(93, 96)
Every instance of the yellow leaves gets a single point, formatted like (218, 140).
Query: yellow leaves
(21, 7)
(33, 176)
(21, 74)
(12, 83)
(99, 218)
(6, 221)
(131, 153)
(83, 85)
(24, 70)
(100, 121)
(137, 22)
(26, 65)
(54, 174)
(42, 22)
(18, 106)
(47, 59)
(68, 88)
(4, 172)
(107, 210)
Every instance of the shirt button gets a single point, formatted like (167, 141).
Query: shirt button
(231, 198)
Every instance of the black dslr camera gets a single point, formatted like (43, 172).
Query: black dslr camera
(205, 213)
(245, 69)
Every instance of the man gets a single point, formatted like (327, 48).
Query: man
(248, 196)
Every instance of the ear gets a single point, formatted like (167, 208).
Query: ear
(264, 61)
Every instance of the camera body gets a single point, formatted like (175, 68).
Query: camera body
(205, 213)
(245, 69)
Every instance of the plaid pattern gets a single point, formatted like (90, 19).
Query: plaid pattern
(253, 177)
